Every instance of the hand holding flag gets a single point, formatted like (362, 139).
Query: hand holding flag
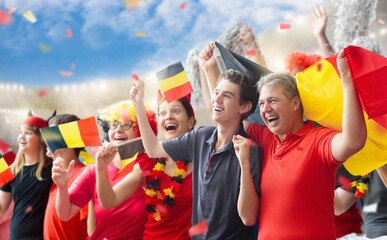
(105, 155)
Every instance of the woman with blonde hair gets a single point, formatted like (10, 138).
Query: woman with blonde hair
(31, 186)
(126, 221)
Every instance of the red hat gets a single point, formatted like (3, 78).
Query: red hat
(36, 121)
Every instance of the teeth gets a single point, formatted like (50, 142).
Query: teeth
(170, 125)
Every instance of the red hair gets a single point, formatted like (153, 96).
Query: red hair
(300, 61)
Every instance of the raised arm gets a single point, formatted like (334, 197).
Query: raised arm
(248, 202)
(152, 145)
(319, 25)
(208, 63)
(354, 132)
(5, 201)
(343, 200)
(113, 197)
(65, 209)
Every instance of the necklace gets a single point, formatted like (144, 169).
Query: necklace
(155, 200)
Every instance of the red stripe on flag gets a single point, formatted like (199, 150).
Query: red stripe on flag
(333, 61)
(126, 170)
(178, 92)
(6, 176)
(89, 132)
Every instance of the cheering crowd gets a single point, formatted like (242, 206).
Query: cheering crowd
(237, 176)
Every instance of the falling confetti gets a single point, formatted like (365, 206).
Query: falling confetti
(29, 16)
(28, 209)
(72, 66)
(69, 33)
(159, 95)
(124, 114)
(290, 17)
(381, 21)
(162, 208)
(183, 5)
(251, 52)
(284, 26)
(42, 92)
(11, 10)
(5, 19)
(66, 73)
(134, 75)
(319, 67)
(199, 228)
(132, 4)
(44, 48)
(140, 34)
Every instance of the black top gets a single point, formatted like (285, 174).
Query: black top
(216, 181)
(375, 207)
(30, 196)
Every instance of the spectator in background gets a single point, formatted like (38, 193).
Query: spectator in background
(75, 228)
(31, 186)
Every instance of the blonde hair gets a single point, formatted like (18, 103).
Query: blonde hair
(17, 165)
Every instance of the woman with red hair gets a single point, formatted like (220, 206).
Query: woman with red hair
(126, 221)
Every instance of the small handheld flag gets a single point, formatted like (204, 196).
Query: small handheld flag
(85, 158)
(174, 82)
(77, 134)
(6, 174)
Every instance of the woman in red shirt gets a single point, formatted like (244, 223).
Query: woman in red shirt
(167, 184)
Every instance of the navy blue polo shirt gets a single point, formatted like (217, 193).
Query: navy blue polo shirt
(216, 181)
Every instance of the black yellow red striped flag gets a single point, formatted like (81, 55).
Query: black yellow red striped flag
(174, 82)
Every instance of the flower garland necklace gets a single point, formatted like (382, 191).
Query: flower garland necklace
(153, 187)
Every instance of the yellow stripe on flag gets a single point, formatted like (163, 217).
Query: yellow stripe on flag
(3, 165)
(322, 98)
(125, 162)
(174, 81)
(87, 159)
(321, 94)
(71, 135)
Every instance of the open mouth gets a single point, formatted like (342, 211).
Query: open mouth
(216, 109)
(170, 127)
(120, 139)
(272, 119)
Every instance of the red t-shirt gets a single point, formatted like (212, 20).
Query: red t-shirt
(297, 184)
(126, 221)
(76, 227)
(348, 222)
(176, 223)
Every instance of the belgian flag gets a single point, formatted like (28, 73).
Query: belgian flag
(77, 134)
(174, 82)
(6, 174)
(322, 99)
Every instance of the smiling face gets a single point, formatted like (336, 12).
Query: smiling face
(280, 114)
(29, 142)
(173, 119)
(118, 135)
(225, 102)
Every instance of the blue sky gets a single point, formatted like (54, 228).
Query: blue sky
(104, 43)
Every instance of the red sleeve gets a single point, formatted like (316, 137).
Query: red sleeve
(80, 192)
(145, 162)
(255, 131)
